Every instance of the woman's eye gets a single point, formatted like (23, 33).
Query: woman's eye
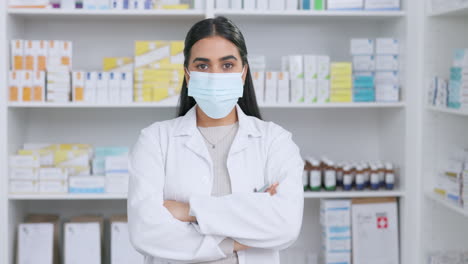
(202, 66)
(228, 66)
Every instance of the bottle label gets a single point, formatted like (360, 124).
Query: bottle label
(375, 178)
(359, 179)
(305, 180)
(330, 179)
(390, 178)
(347, 180)
(315, 178)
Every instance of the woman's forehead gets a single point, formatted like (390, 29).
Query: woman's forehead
(214, 47)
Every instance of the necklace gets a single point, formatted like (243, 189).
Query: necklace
(213, 145)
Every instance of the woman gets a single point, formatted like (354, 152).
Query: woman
(195, 192)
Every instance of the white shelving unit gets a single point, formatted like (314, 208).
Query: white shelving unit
(444, 129)
(370, 131)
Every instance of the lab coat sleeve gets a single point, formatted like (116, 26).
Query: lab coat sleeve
(153, 230)
(259, 219)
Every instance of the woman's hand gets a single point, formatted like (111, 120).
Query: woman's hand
(272, 189)
(239, 247)
(180, 211)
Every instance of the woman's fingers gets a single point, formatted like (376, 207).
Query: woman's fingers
(272, 188)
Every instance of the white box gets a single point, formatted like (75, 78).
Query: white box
(257, 63)
(296, 67)
(276, 4)
(297, 91)
(223, 4)
(363, 63)
(323, 68)
(114, 87)
(59, 55)
(29, 55)
(310, 67)
(382, 4)
(41, 51)
(292, 4)
(20, 161)
(199, 4)
(53, 187)
(39, 86)
(335, 212)
(17, 55)
(310, 90)
(27, 86)
(116, 165)
(122, 251)
(342, 258)
(262, 5)
(35, 243)
(323, 91)
(23, 187)
(236, 4)
(386, 62)
(387, 93)
(378, 219)
(15, 93)
(90, 92)
(24, 174)
(271, 87)
(58, 97)
(55, 174)
(362, 47)
(345, 4)
(259, 85)
(78, 86)
(249, 4)
(86, 184)
(82, 243)
(117, 183)
(102, 85)
(386, 77)
(387, 46)
(283, 87)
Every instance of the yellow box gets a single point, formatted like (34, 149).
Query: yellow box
(341, 99)
(119, 64)
(149, 52)
(64, 158)
(158, 74)
(180, 7)
(341, 68)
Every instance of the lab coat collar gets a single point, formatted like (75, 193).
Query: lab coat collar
(188, 124)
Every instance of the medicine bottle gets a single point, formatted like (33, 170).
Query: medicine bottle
(347, 178)
(360, 181)
(374, 178)
(389, 176)
(305, 176)
(330, 176)
(339, 175)
(381, 170)
(366, 173)
(315, 176)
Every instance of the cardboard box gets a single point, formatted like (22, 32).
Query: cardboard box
(271, 87)
(363, 63)
(122, 252)
(345, 4)
(114, 87)
(378, 218)
(14, 86)
(78, 86)
(27, 86)
(117, 183)
(23, 187)
(35, 243)
(90, 94)
(55, 221)
(24, 174)
(362, 47)
(39, 86)
(283, 87)
(259, 85)
(386, 63)
(387, 46)
(83, 240)
(53, 187)
(29, 55)
(24, 161)
(382, 5)
(53, 174)
(17, 55)
(117, 64)
(86, 184)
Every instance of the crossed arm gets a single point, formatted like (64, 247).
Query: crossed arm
(163, 229)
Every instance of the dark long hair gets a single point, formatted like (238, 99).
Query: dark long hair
(223, 27)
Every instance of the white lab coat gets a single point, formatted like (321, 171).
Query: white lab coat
(170, 161)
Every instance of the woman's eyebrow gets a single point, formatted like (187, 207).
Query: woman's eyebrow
(201, 59)
(228, 58)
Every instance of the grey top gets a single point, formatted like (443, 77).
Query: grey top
(218, 142)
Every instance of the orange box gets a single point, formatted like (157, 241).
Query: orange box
(39, 85)
(78, 84)
(17, 54)
(14, 84)
(27, 87)
(29, 55)
(40, 47)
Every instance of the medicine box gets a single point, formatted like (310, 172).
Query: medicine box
(271, 87)
(382, 5)
(283, 87)
(362, 47)
(345, 4)
(259, 84)
(122, 251)
(387, 46)
(87, 184)
(386, 63)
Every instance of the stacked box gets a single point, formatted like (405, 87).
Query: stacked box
(323, 79)
(117, 174)
(295, 67)
(59, 56)
(438, 92)
(159, 70)
(335, 219)
(387, 82)
(117, 64)
(58, 86)
(345, 4)
(271, 87)
(24, 173)
(341, 88)
(458, 85)
(362, 51)
(122, 251)
(259, 85)
(53, 180)
(310, 78)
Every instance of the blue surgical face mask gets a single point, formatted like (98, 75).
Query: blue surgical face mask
(216, 93)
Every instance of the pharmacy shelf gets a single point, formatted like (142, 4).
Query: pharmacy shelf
(48, 13)
(312, 13)
(459, 10)
(353, 194)
(307, 195)
(444, 202)
(173, 104)
(448, 110)
(105, 196)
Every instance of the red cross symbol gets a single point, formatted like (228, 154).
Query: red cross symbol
(382, 222)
